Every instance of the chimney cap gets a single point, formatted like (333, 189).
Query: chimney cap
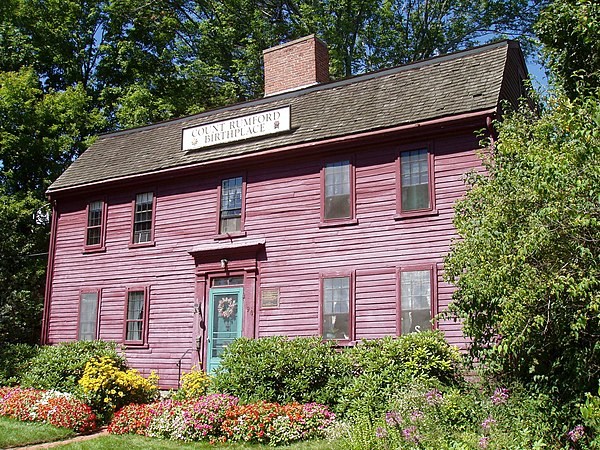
(294, 42)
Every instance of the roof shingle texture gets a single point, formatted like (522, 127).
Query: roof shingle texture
(463, 82)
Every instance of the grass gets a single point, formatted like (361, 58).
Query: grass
(14, 433)
(132, 442)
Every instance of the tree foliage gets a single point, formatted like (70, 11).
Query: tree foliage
(570, 30)
(527, 266)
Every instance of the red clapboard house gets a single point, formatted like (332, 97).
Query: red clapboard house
(324, 208)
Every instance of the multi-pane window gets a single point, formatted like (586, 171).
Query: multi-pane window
(337, 191)
(336, 308)
(88, 316)
(415, 295)
(142, 220)
(230, 215)
(414, 180)
(134, 323)
(93, 236)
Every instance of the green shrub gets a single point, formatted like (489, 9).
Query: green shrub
(60, 367)
(15, 360)
(383, 366)
(278, 369)
(465, 417)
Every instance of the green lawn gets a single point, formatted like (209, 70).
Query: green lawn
(131, 442)
(14, 433)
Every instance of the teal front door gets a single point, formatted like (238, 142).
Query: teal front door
(224, 322)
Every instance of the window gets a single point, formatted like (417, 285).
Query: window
(337, 191)
(227, 281)
(142, 218)
(415, 183)
(415, 300)
(88, 316)
(94, 235)
(230, 213)
(336, 308)
(136, 316)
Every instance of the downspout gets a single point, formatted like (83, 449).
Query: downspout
(489, 122)
(49, 276)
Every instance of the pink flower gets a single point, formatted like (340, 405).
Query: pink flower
(434, 396)
(576, 433)
(392, 418)
(416, 415)
(380, 433)
(487, 423)
(500, 395)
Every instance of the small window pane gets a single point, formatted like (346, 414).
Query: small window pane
(416, 300)
(415, 180)
(88, 316)
(336, 308)
(142, 225)
(231, 205)
(337, 190)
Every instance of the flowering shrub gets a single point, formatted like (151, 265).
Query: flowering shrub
(275, 424)
(193, 384)
(19, 403)
(108, 387)
(55, 408)
(63, 410)
(190, 420)
(452, 417)
(131, 419)
(218, 417)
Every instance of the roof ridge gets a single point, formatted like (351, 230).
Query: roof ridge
(321, 86)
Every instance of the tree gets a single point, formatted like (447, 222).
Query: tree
(527, 266)
(570, 30)
(40, 133)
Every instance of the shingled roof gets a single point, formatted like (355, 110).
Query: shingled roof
(463, 82)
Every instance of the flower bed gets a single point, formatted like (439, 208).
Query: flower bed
(275, 424)
(218, 417)
(55, 408)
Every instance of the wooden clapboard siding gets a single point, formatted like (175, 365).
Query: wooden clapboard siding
(282, 205)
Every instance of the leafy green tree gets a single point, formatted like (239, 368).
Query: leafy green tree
(527, 266)
(40, 133)
(570, 30)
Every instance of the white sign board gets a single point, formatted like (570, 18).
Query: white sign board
(237, 129)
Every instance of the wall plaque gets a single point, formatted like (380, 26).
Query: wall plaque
(269, 298)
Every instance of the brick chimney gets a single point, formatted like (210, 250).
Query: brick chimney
(294, 65)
